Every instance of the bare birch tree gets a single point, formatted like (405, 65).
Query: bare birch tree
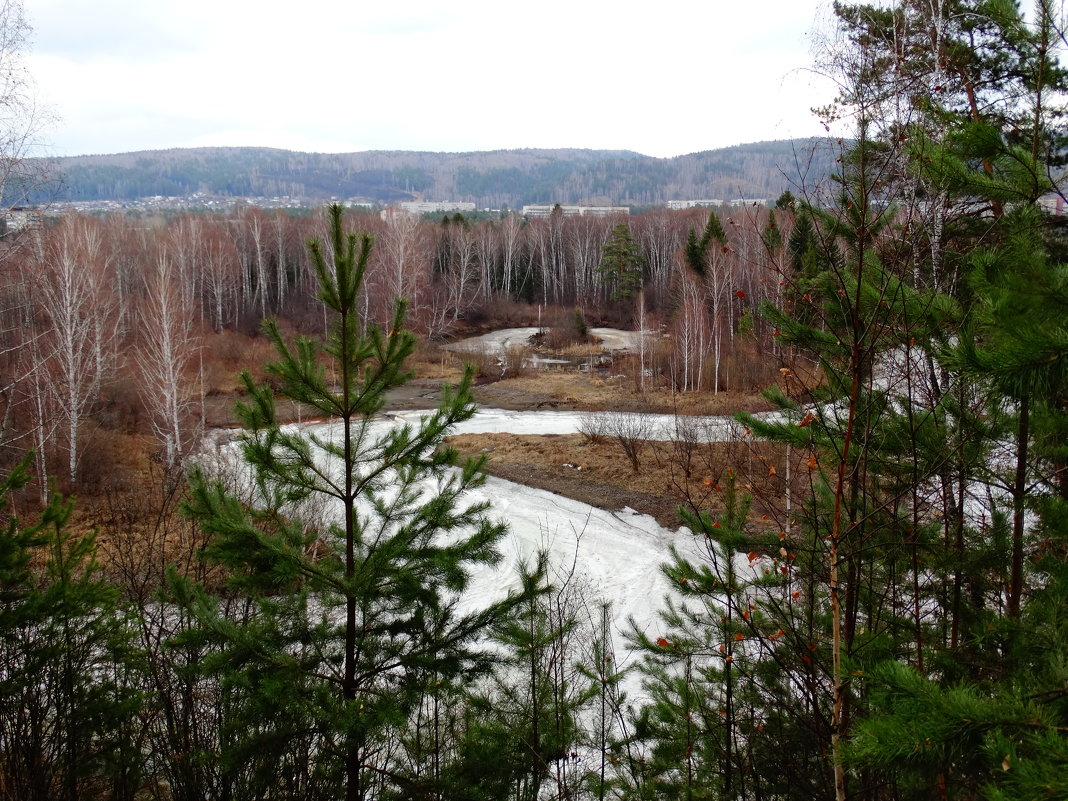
(168, 342)
(76, 308)
(401, 259)
(22, 117)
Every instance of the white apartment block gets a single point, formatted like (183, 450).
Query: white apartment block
(575, 211)
(695, 204)
(435, 207)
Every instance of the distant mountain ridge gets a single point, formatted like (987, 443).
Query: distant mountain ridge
(490, 179)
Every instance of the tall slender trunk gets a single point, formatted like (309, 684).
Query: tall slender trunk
(354, 790)
(1019, 493)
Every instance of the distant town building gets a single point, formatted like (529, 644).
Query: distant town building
(575, 211)
(20, 218)
(711, 203)
(695, 204)
(435, 207)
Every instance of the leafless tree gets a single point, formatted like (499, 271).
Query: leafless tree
(76, 308)
(457, 280)
(661, 234)
(511, 229)
(690, 332)
(220, 282)
(168, 344)
(632, 430)
(22, 118)
(401, 267)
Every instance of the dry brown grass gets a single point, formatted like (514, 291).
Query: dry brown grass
(433, 363)
(581, 390)
(671, 474)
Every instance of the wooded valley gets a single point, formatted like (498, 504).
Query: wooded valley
(875, 607)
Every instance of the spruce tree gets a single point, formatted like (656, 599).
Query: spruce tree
(351, 617)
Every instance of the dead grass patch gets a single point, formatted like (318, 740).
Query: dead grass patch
(614, 393)
(671, 474)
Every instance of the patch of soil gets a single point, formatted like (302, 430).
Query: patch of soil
(570, 390)
(595, 493)
(598, 473)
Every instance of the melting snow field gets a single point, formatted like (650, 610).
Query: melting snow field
(503, 421)
(499, 341)
(608, 556)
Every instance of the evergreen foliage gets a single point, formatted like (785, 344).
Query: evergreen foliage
(621, 263)
(70, 675)
(354, 616)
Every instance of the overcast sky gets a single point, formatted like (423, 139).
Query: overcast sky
(663, 78)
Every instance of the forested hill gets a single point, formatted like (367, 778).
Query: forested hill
(489, 179)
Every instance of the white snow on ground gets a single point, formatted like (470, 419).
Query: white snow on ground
(498, 341)
(615, 555)
(612, 556)
(493, 421)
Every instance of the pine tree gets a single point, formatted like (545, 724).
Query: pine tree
(985, 716)
(621, 263)
(69, 672)
(349, 620)
(698, 731)
(999, 730)
(855, 578)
